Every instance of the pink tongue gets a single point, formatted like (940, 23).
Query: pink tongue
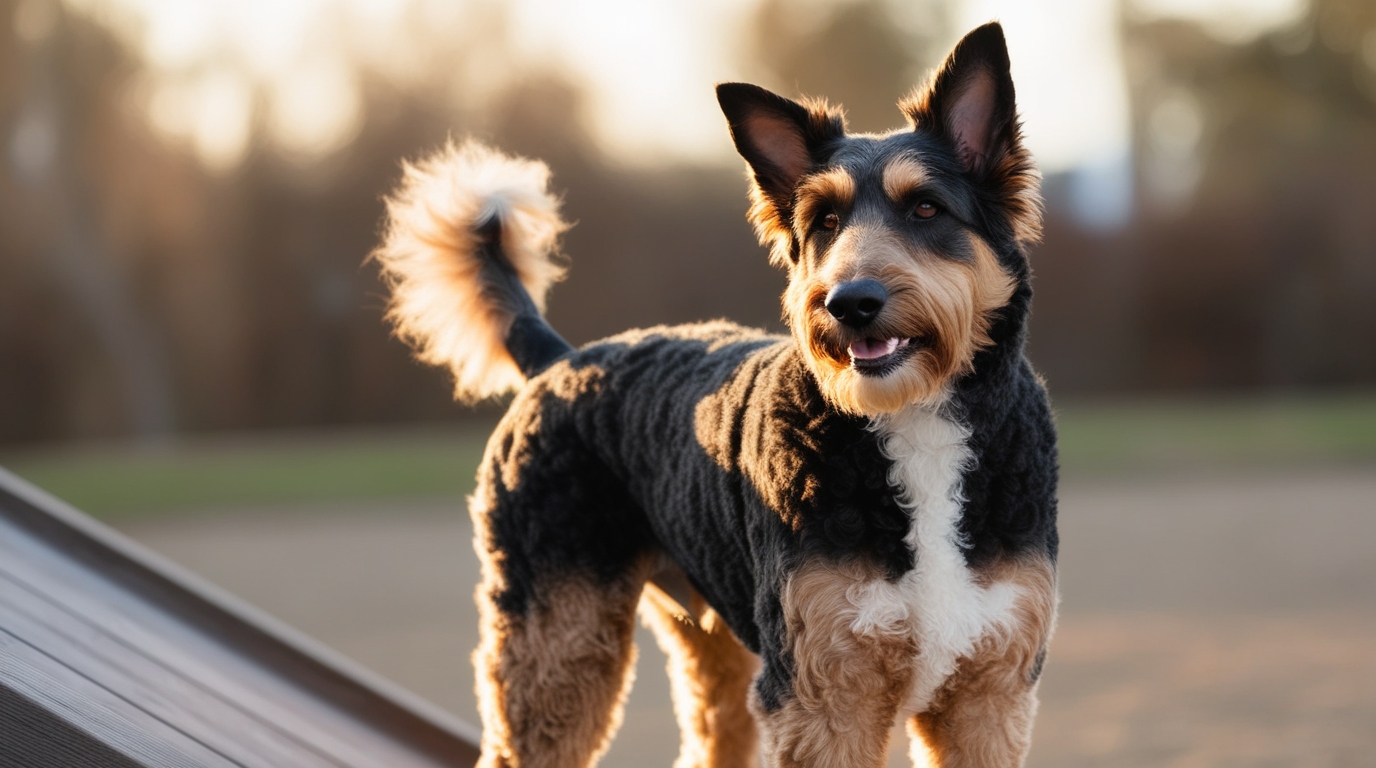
(869, 349)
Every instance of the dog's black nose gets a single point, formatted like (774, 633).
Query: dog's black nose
(857, 303)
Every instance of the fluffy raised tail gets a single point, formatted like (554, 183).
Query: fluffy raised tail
(469, 252)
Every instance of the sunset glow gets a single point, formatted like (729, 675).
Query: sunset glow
(648, 67)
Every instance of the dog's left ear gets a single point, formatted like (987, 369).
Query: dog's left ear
(970, 102)
(781, 140)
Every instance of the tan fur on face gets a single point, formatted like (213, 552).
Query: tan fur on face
(847, 686)
(1023, 199)
(833, 188)
(770, 222)
(947, 301)
(983, 715)
(902, 176)
(709, 674)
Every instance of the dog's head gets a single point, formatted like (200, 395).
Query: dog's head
(901, 247)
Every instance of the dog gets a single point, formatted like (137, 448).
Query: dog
(827, 531)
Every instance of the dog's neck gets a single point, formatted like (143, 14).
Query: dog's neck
(997, 364)
(976, 396)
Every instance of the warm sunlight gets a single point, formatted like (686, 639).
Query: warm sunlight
(235, 233)
(219, 68)
(1231, 20)
(222, 68)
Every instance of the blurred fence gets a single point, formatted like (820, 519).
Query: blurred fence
(143, 291)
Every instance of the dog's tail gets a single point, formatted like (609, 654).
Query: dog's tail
(469, 251)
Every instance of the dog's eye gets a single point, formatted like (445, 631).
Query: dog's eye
(829, 221)
(925, 209)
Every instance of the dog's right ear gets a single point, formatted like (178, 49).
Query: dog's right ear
(781, 140)
(970, 103)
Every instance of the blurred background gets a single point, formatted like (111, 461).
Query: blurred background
(191, 343)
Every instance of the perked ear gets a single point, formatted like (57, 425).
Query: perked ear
(781, 140)
(970, 100)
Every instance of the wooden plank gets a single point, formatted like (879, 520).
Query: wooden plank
(34, 736)
(200, 662)
(161, 691)
(132, 632)
(98, 711)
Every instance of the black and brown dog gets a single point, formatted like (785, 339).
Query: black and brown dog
(860, 518)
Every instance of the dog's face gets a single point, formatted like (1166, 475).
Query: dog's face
(900, 247)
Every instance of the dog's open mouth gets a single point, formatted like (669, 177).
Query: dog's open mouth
(876, 357)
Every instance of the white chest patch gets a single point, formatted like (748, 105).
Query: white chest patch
(938, 603)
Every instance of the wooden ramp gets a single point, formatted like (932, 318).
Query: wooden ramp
(111, 656)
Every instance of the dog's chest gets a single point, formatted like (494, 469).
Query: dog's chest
(939, 603)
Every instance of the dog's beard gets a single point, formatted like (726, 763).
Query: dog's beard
(915, 371)
(933, 323)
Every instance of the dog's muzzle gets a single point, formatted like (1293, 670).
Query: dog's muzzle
(856, 305)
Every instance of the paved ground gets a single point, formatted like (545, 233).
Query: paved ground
(1210, 622)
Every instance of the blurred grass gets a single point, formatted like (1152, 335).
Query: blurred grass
(1114, 439)
(201, 474)
(1126, 438)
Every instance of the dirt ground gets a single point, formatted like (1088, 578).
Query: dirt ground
(1206, 621)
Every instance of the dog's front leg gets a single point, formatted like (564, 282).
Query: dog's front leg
(846, 685)
(982, 717)
(984, 721)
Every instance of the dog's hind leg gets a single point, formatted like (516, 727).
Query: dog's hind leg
(709, 674)
(565, 553)
(552, 679)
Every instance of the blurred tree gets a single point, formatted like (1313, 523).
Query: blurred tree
(1265, 277)
(132, 274)
(251, 276)
(62, 121)
(862, 53)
